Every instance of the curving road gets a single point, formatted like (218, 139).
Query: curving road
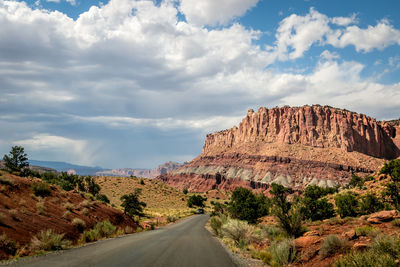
(186, 243)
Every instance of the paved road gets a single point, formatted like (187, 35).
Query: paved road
(186, 243)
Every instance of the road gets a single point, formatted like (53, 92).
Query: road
(186, 243)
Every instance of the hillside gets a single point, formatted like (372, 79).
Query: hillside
(24, 214)
(292, 146)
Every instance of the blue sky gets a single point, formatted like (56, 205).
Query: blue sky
(134, 83)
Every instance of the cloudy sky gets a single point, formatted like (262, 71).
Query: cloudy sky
(134, 83)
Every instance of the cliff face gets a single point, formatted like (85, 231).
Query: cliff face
(314, 126)
(293, 146)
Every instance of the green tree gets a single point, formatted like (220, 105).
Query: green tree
(132, 205)
(347, 205)
(370, 204)
(196, 200)
(92, 187)
(290, 215)
(392, 190)
(17, 160)
(315, 206)
(245, 205)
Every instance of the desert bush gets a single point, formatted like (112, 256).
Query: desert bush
(384, 244)
(103, 198)
(7, 245)
(218, 208)
(41, 207)
(366, 230)
(236, 230)
(85, 204)
(271, 231)
(171, 218)
(185, 191)
(85, 211)
(67, 214)
(128, 230)
(99, 231)
(356, 181)
(331, 245)
(396, 222)
(5, 181)
(370, 204)
(245, 205)
(41, 189)
(365, 259)
(283, 252)
(69, 206)
(49, 240)
(79, 224)
(141, 181)
(347, 205)
(216, 224)
(392, 190)
(263, 255)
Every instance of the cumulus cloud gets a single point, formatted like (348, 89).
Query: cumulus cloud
(212, 12)
(134, 66)
(76, 150)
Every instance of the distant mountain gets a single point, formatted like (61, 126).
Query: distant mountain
(40, 169)
(65, 167)
(147, 173)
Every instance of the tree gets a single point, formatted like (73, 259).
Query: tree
(315, 206)
(393, 187)
(196, 200)
(289, 214)
(17, 160)
(92, 187)
(132, 205)
(370, 204)
(245, 205)
(347, 205)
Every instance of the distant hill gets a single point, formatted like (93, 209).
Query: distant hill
(147, 173)
(64, 167)
(40, 169)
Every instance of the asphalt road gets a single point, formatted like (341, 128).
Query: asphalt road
(186, 243)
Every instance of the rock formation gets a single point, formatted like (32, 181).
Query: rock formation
(147, 173)
(293, 146)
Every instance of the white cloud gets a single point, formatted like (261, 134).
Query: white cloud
(214, 12)
(72, 150)
(326, 54)
(365, 40)
(344, 21)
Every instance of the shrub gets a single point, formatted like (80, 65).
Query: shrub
(396, 222)
(196, 200)
(347, 205)
(290, 215)
(85, 211)
(366, 231)
(385, 244)
(141, 181)
(315, 207)
(272, 231)
(85, 204)
(67, 214)
(365, 259)
(218, 208)
(283, 252)
(216, 224)
(356, 181)
(393, 187)
(99, 231)
(49, 240)
(69, 206)
(171, 218)
(41, 189)
(236, 230)
(103, 198)
(263, 255)
(185, 191)
(5, 181)
(245, 205)
(370, 204)
(128, 230)
(132, 205)
(331, 245)
(79, 224)
(7, 245)
(41, 207)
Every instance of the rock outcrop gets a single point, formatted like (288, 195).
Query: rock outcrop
(146, 173)
(292, 146)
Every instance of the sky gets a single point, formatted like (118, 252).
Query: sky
(135, 83)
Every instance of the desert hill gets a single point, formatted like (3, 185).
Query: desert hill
(292, 146)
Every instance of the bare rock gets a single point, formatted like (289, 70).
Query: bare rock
(350, 235)
(382, 216)
(360, 245)
(311, 233)
(306, 241)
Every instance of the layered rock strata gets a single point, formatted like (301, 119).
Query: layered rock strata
(293, 146)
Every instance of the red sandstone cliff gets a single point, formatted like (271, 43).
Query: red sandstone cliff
(293, 146)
